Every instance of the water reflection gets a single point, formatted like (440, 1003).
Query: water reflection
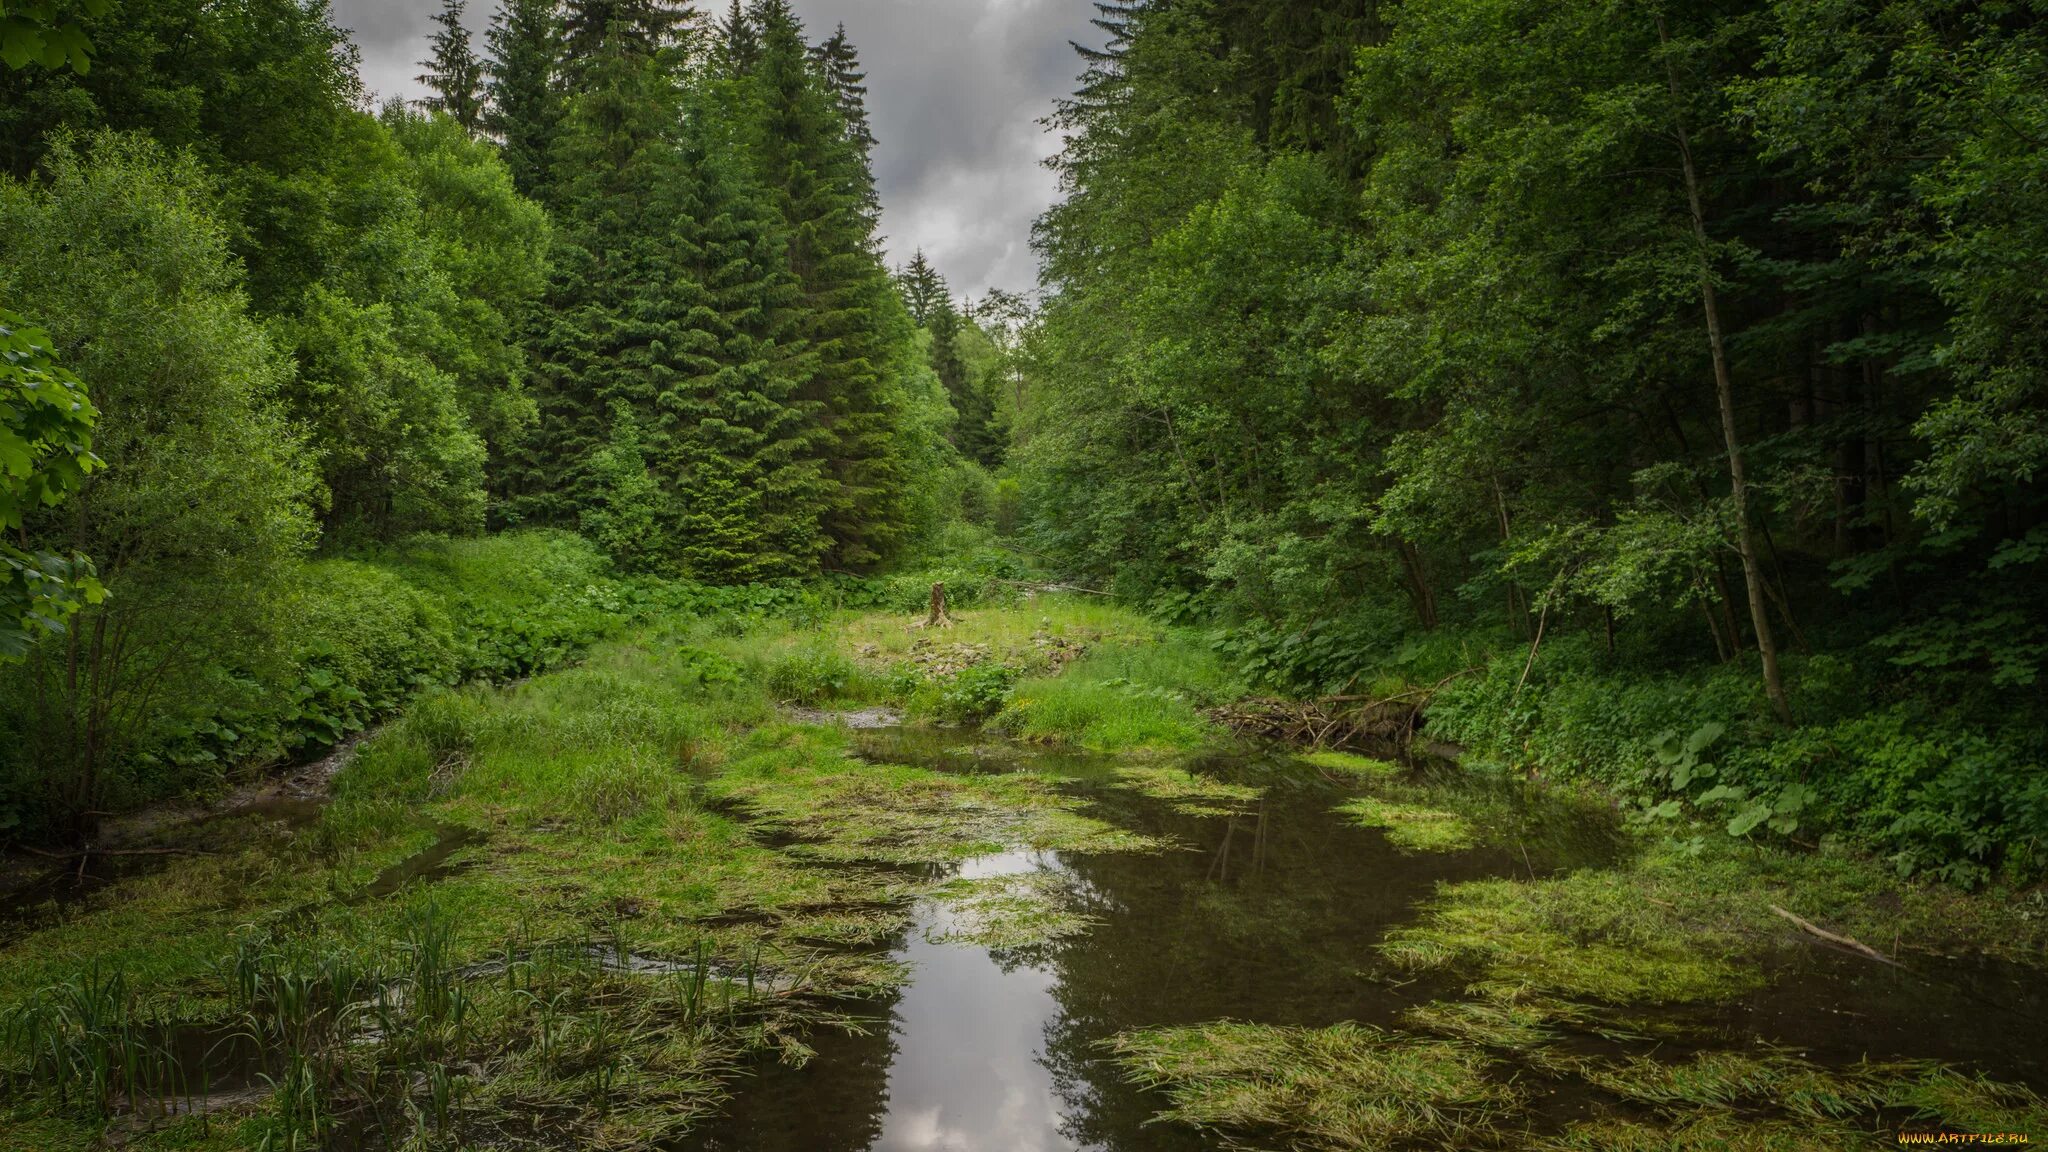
(1266, 915)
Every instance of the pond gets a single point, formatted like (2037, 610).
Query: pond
(1269, 914)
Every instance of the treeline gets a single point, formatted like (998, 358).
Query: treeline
(1682, 367)
(619, 274)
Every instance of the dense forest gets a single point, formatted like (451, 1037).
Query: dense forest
(619, 276)
(1680, 368)
(1640, 382)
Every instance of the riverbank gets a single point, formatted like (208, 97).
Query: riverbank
(584, 909)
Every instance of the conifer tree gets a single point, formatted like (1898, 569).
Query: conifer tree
(671, 367)
(644, 27)
(598, 334)
(851, 314)
(737, 44)
(525, 109)
(930, 302)
(840, 63)
(454, 75)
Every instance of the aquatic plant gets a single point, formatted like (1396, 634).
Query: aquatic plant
(1413, 827)
(1348, 1087)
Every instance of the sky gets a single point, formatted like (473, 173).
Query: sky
(956, 90)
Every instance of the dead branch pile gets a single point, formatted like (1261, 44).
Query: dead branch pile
(1334, 721)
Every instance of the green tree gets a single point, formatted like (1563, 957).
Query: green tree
(851, 315)
(455, 75)
(46, 422)
(524, 98)
(202, 510)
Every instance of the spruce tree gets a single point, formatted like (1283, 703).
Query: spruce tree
(851, 314)
(930, 302)
(454, 75)
(737, 43)
(525, 108)
(599, 335)
(840, 63)
(748, 466)
(643, 27)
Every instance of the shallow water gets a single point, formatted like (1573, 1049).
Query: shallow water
(1269, 916)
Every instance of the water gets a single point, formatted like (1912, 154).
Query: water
(1268, 916)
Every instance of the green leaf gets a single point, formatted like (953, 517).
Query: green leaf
(1747, 820)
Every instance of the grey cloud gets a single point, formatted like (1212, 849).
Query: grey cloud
(955, 90)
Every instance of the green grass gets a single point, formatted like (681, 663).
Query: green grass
(1413, 827)
(1344, 1087)
(649, 801)
(1188, 793)
(1352, 764)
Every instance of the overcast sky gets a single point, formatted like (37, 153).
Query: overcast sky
(956, 89)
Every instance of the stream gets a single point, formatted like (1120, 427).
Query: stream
(1268, 917)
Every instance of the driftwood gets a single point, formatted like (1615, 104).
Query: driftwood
(1335, 721)
(1849, 942)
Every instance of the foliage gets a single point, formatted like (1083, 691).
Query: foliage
(1389, 342)
(202, 511)
(46, 422)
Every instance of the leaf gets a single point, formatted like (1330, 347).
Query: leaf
(1704, 735)
(1721, 793)
(1747, 820)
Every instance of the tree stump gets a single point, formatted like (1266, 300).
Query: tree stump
(938, 617)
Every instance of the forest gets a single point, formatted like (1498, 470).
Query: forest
(522, 627)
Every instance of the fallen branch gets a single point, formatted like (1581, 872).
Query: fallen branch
(1849, 942)
(88, 853)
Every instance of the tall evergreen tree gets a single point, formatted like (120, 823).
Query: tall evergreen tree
(737, 43)
(644, 27)
(670, 366)
(454, 75)
(852, 316)
(525, 107)
(840, 62)
(931, 305)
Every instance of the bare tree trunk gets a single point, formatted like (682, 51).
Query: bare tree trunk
(939, 617)
(1745, 543)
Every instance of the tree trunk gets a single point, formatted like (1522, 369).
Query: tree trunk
(938, 617)
(1745, 543)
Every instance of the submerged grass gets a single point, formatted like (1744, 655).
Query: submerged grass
(1344, 1087)
(652, 888)
(1020, 910)
(1352, 764)
(1187, 792)
(1413, 827)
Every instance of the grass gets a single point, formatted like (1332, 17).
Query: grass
(1344, 1087)
(1188, 793)
(649, 804)
(1676, 924)
(1352, 764)
(1008, 912)
(1125, 696)
(1413, 827)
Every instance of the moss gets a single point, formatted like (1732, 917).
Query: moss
(1351, 764)
(1342, 1087)
(1413, 827)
